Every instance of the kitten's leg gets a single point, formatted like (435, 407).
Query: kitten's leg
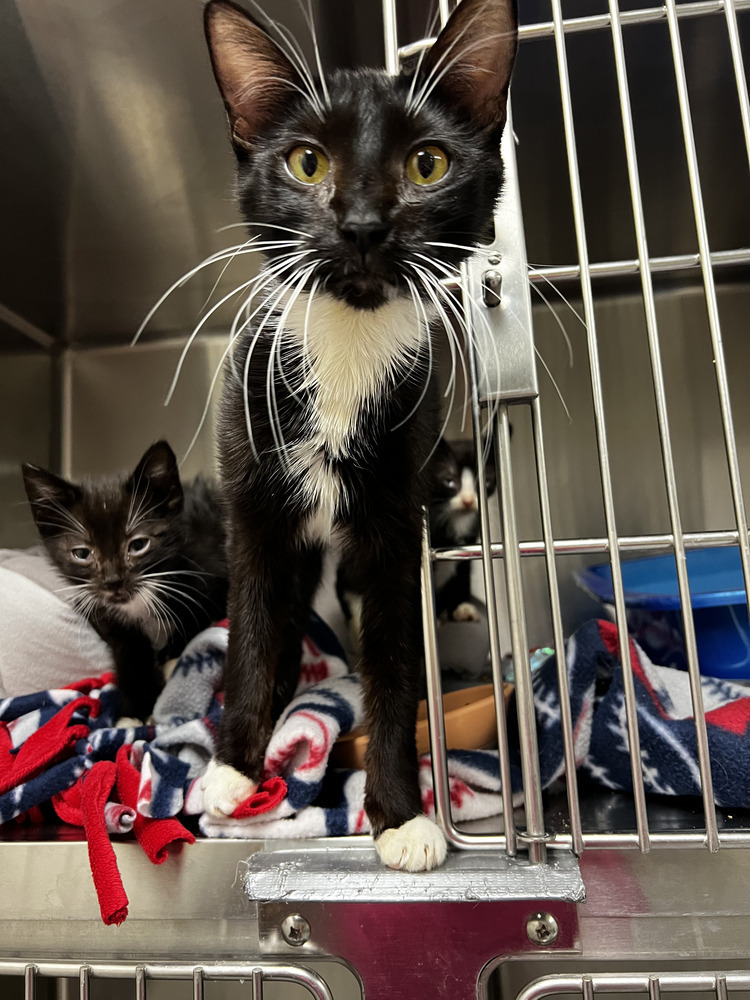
(390, 668)
(455, 595)
(270, 592)
(138, 677)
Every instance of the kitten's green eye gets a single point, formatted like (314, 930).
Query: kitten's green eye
(81, 554)
(137, 546)
(427, 165)
(307, 164)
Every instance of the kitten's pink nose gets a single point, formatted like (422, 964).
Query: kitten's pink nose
(468, 502)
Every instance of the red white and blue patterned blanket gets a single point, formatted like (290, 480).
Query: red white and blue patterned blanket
(62, 750)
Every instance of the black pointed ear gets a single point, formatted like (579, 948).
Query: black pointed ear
(253, 74)
(472, 59)
(157, 475)
(49, 496)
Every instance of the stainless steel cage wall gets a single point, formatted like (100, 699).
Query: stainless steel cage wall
(512, 893)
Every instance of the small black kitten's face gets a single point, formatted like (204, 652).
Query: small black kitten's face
(369, 171)
(109, 536)
(454, 501)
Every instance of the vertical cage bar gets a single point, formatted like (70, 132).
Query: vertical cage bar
(657, 373)
(709, 285)
(390, 36)
(29, 982)
(566, 720)
(739, 70)
(587, 988)
(84, 976)
(140, 982)
(721, 986)
(63, 988)
(654, 988)
(639, 797)
(527, 737)
(440, 782)
(257, 984)
(511, 838)
(198, 983)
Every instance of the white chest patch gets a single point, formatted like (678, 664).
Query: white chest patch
(137, 612)
(350, 356)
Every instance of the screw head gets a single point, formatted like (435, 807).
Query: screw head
(295, 929)
(542, 929)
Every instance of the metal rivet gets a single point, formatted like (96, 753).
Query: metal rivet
(542, 928)
(492, 283)
(295, 929)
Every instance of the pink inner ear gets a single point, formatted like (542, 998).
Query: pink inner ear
(472, 60)
(253, 75)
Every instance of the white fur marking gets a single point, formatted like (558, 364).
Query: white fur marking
(349, 355)
(416, 846)
(465, 612)
(224, 788)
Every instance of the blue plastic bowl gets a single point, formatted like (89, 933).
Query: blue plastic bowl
(717, 591)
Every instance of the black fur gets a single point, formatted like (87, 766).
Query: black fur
(182, 533)
(364, 222)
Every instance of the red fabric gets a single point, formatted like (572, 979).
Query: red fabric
(89, 684)
(95, 791)
(267, 795)
(733, 717)
(44, 745)
(67, 805)
(155, 836)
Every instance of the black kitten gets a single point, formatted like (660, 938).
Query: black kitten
(453, 506)
(379, 184)
(454, 522)
(145, 559)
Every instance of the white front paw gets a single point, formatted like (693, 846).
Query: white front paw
(416, 846)
(466, 612)
(224, 788)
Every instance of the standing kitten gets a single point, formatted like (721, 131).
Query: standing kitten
(454, 522)
(145, 560)
(382, 184)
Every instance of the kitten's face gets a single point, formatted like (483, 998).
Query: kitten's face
(369, 173)
(109, 536)
(454, 500)
(370, 214)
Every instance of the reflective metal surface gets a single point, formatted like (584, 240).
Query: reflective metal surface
(326, 874)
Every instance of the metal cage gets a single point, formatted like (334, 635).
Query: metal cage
(629, 178)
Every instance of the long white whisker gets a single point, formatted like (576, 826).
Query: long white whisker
(559, 322)
(308, 15)
(427, 90)
(266, 225)
(419, 305)
(240, 248)
(248, 422)
(234, 334)
(295, 55)
(270, 384)
(556, 290)
(554, 383)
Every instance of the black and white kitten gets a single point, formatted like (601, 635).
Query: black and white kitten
(382, 183)
(454, 521)
(453, 507)
(145, 558)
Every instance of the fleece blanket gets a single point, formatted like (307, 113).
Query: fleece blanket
(63, 749)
